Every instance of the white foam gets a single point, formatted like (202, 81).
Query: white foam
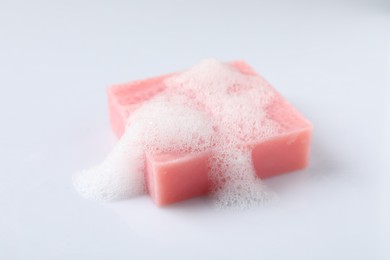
(152, 128)
(235, 183)
(118, 176)
(209, 106)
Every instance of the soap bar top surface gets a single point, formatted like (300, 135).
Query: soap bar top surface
(126, 98)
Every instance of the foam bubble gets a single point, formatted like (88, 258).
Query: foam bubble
(235, 185)
(118, 176)
(209, 106)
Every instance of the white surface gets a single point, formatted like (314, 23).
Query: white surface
(330, 59)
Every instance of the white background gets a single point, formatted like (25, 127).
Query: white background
(329, 58)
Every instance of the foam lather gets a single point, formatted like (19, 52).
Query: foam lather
(216, 128)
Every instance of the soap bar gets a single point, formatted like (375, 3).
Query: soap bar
(171, 178)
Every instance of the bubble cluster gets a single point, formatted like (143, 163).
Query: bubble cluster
(211, 106)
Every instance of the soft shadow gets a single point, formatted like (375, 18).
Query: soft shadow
(193, 205)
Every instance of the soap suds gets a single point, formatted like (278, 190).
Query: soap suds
(153, 128)
(113, 179)
(211, 106)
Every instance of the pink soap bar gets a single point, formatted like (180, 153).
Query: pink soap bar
(174, 177)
